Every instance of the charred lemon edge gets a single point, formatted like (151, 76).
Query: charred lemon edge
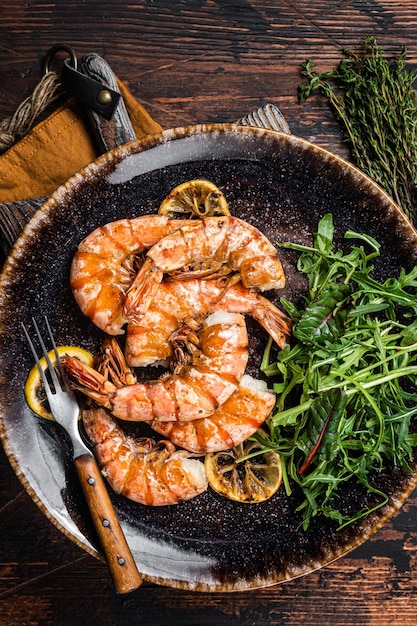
(181, 201)
(229, 488)
(33, 383)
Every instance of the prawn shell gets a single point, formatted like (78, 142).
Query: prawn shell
(212, 373)
(206, 248)
(233, 422)
(142, 470)
(224, 240)
(147, 342)
(102, 272)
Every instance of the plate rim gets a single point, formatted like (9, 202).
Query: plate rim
(69, 187)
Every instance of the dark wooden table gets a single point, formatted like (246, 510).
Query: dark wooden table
(191, 62)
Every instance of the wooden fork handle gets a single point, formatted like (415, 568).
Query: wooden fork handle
(118, 555)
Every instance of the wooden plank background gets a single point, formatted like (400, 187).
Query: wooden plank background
(189, 62)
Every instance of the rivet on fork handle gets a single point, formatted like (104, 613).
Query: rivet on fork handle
(119, 558)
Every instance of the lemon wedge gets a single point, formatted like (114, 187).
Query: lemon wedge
(34, 390)
(195, 198)
(252, 480)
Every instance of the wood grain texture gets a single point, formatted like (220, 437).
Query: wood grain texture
(192, 61)
(120, 561)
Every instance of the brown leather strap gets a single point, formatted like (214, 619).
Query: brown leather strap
(116, 130)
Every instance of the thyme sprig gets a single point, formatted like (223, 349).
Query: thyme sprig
(376, 105)
(347, 386)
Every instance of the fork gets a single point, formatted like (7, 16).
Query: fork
(268, 116)
(64, 407)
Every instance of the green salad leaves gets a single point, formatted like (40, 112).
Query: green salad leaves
(347, 385)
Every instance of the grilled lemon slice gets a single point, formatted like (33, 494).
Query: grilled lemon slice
(253, 480)
(34, 391)
(194, 198)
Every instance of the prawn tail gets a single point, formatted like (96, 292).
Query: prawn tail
(142, 291)
(274, 321)
(100, 398)
(88, 381)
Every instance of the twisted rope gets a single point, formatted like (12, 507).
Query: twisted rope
(19, 124)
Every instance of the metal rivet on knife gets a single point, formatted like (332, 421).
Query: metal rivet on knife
(91, 480)
(106, 522)
(121, 560)
(104, 97)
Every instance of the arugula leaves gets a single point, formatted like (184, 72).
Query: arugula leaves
(347, 387)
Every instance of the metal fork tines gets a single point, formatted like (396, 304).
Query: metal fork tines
(64, 407)
(267, 116)
(62, 401)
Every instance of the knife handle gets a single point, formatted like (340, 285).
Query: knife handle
(118, 555)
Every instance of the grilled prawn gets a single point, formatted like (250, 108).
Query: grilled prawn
(106, 263)
(233, 422)
(140, 469)
(210, 363)
(177, 301)
(216, 247)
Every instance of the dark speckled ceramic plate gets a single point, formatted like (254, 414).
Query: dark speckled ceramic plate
(281, 184)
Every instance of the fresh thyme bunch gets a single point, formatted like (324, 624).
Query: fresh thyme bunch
(376, 104)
